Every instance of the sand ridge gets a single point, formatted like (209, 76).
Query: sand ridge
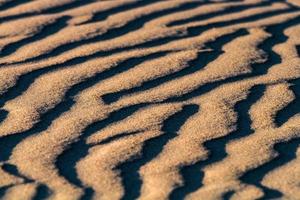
(176, 99)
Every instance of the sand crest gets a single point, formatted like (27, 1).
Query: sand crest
(150, 100)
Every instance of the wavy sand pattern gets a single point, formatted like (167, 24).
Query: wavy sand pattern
(149, 100)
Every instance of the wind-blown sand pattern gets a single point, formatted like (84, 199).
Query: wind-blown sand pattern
(149, 100)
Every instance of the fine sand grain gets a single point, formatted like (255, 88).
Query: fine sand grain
(149, 100)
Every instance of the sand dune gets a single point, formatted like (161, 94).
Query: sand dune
(150, 100)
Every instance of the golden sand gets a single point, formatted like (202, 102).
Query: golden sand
(150, 100)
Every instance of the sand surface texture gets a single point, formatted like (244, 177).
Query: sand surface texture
(149, 99)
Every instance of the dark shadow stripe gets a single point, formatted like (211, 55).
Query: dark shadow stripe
(3, 190)
(194, 31)
(3, 115)
(287, 3)
(203, 58)
(287, 152)
(227, 11)
(68, 6)
(7, 143)
(117, 137)
(103, 15)
(13, 170)
(214, 145)
(26, 80)
(199, 29)
(228, 195)
(292, 108)
(193, 174)
(46, 31)
(257, 68)
(10, 4)
(57, 9)
(42, 193)
(151, 148)
(88, 194)
(114, 32)
(66, 162)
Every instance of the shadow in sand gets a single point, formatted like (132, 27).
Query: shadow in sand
(228, 195)
(190, 172)
(12, 169)
(151, 148)
(287, 152)
(257, 68)
(203, 58)
(3, 191)
(10, 4)
(66, 162)
(26, 80)
(139, 22)
(57, 9)
(117, 137)
(115, 32)
(42, 191)
(3, 115)
(7, 143)
(103, 15)
(227, 11)
(46, 31)
(292, 108)
(193, 174)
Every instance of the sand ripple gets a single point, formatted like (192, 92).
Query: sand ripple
(178, 99)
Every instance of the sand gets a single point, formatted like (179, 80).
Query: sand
(149, 100)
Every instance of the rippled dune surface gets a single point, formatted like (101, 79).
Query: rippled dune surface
(149, 99)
